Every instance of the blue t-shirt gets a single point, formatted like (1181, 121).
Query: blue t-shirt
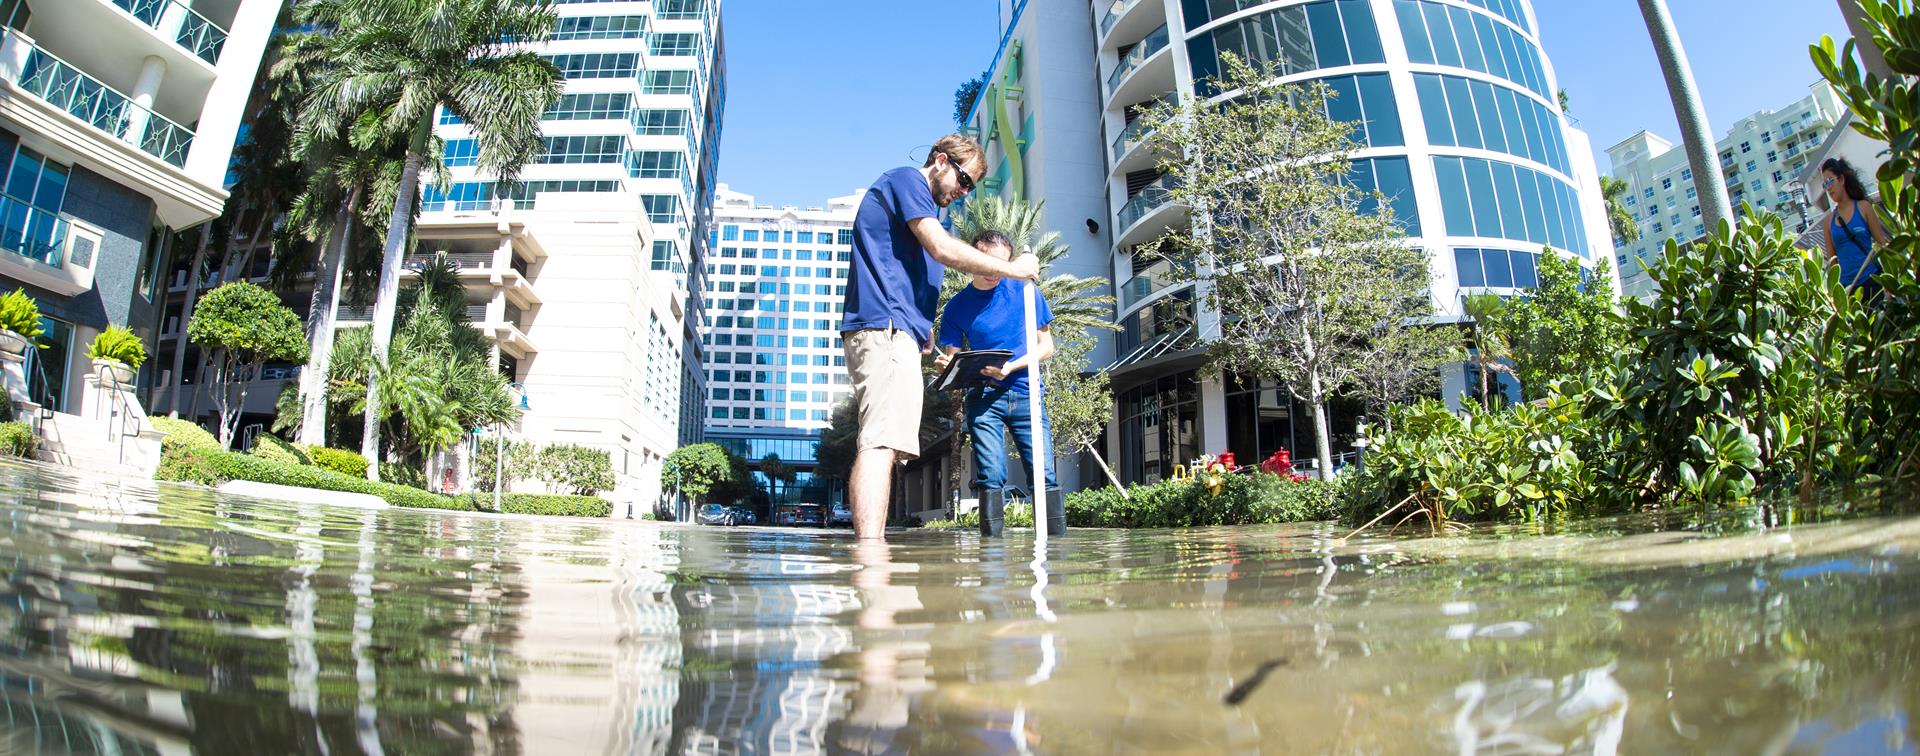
(892, 282)
(994, 319)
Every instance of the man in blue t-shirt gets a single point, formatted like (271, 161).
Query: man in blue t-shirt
(991, 314)
(900, 252)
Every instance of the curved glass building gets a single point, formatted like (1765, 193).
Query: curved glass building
(1453, 105)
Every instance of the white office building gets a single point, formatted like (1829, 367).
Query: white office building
(587, 271)
(776, 283)
(1762, 157)
(1453, 106)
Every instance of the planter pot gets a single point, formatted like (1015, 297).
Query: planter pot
(13, 343)
(120, 372)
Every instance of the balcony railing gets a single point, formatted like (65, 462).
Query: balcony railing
(1154, 43)
(198, 35)
(1115, 10)
(31, 232)
(1133, 134)
(460, 260)
(1154, 279)
(1148, 200)
(90, 100)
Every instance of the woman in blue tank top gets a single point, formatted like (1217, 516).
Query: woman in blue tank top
(1853, 229)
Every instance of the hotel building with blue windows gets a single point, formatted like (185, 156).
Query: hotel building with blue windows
(1453, 108)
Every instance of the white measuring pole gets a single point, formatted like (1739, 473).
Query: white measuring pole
(1037, 484)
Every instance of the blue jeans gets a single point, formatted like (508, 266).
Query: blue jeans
(991, 413)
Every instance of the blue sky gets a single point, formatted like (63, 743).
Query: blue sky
(825, 95)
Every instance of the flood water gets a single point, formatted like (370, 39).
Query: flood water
(172, 620)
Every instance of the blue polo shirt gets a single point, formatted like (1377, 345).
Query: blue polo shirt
(994, 319)
(892, 282)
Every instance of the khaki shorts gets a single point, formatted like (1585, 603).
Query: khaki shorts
(884, 365)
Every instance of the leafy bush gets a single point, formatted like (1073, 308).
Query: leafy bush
(1017, 515)
(1243, 500)
(338, 460)
(117, 343)
(1525, 462)
(410, 476)
(580, 469)
(183, 434)
(267, 446)
(20, 314)
(213, 467)
(547, 504)
(522, 459)
(17, 440)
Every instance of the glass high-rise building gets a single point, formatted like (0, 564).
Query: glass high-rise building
(1453, 106)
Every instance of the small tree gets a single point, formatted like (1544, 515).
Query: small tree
(777, 471)
(964, 95)
(576, 469)
(696, 469)
(1304, 270)
(1400, 367)
(1557, 331)
(244, 327)
(1492, 353)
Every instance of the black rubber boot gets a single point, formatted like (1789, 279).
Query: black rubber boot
(993, 513)
(1056, 513)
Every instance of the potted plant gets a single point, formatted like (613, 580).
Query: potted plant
(119, 351)
(19, 322)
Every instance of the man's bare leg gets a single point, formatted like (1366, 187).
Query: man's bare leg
(870, 487)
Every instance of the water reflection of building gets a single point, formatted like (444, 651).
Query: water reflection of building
(753, 680)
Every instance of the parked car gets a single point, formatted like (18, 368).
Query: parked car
(840, 515)
(717, 514)
(744, 516)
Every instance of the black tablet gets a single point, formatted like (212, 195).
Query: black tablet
(964, 371)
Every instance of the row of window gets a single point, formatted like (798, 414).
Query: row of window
(1493, 199)
(675, 44)
(1198, 13)
(479, 195)
(624, 66)
(654, 164)
(771, 377)
(1298, 38)
(1500, 268)
(763, 413)
(767, 359)
(600, 27)
(727, 339)
(777, 396)
(803, 255)
(731, 232)
(782, 305)
(1463, 112)
(798, 289)
(1450, 35)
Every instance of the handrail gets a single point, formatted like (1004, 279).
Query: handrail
(40, 374)
(118, 407)
(1152, 45)
(198, 34)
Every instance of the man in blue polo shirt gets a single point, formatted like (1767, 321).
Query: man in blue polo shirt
(991, 314)
(900, 253)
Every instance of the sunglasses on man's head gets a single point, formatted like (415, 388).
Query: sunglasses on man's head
(966, 181)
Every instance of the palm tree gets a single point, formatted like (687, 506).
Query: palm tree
(1698, 136)
(395, 63)
(1614, 192)
(1490, 348)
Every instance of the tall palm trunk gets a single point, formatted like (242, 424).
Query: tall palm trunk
(385, 305)
(186, 313)
(320, 322)
(1701, 155)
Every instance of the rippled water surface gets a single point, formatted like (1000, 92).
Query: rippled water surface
(173, 621)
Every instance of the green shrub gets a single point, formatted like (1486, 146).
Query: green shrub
(117, 343)
(547, 504)
(1243, 500)
(17, 440)
(183, 434)
(267, 446)
(337, 460)
(1523, 462)
(20, 314)
(580, 469)
(404, 475)
(1018, 515)
(213, 467)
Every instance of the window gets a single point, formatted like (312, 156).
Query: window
(1773, 157)
(1465, 113)
(1753, 166)
(1746, 146)
(661, 208)
(845, 238)
(582, 149)
(598, 65)
(1686, 174)
(600, 27)
(1493, 199)
(666, 82)
(678, 9)
(659, 122)
(1666, 184)
(37, 188)
(804, 237)
(1299, 38)
(1390, 178)
(678, 43)
(1497, 268)
(653, 164)
(1649, 192)
(459, 152)
(1690, 192)
(1450, 35)
(1366, 102)
(750, 235)
(589, 107)
(1766, 136)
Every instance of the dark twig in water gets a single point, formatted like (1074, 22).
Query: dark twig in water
(1245, 688)
(1383, 515)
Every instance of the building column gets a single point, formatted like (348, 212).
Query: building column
(219, 119)
(171, 18)
(152, 71)
(1213, 416)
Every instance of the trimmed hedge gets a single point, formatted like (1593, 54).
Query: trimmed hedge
(213, 467)
(184, 434)
(272, 447)
(1243, 500)
(17, 440)
(546, 504)
(338, 460)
